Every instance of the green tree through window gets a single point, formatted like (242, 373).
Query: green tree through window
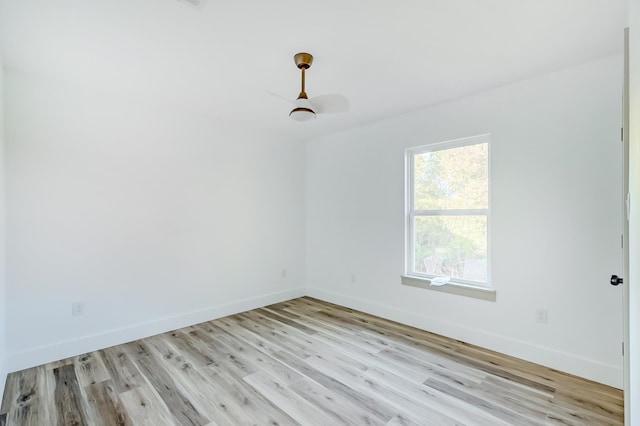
(448, 210)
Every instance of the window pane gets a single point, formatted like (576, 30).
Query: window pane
(455, 178)
(453, 246)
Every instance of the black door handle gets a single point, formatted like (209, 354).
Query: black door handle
(615, 280)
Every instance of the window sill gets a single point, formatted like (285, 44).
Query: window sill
(452, 288)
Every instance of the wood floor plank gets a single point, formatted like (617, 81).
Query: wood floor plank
(145, 408)
(261, 360)
(11, 391)
(189, 346)
(414, 401)
(527, 405)
(503, 393)
(106, 409)
(181, 408)
(371, 358)
(61, 363)
(577, 416)
(307, 362)
(221, 353)
(454, 408)
(363, 400)
(401, 420)
(70, 404)
(290, 402)
(28, 405)
(255, 407)
(90, 369)
(208, 395)
(264, 328)
(284, 312)
(589, 401)
(235, 328)
(122, 371)
(499, 411)
(341, 410)
(284, 319)
(463, 354)
(451, 350)
(299, 306)
(216, 388)
(418, 351)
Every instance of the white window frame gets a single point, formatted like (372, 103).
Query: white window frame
(481, 290)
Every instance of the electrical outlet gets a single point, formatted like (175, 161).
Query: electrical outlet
(542, 316)
(77, 309)
(353, 278)
(284, 273)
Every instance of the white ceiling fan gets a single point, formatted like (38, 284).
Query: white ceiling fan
(305, 108)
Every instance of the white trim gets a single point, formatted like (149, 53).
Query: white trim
(453, 143)
(570, 363)
(452, 212)
(410, 257)
(44, 354)
(461, 289)
(626, 219)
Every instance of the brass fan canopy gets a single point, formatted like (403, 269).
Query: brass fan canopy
(303, 60)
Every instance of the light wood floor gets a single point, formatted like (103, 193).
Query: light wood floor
(302, 362)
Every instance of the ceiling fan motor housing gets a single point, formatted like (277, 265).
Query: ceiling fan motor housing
(302, 111)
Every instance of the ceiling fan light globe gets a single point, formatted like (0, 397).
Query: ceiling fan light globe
(302, 114)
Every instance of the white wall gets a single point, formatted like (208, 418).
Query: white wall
(555, 211)
(634, 223)
(3, 305)
(154, 217)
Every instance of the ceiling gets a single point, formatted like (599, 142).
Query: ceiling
(226, 58)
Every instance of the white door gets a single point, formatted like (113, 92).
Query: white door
(625, 228)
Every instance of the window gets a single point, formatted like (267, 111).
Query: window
(448, 212)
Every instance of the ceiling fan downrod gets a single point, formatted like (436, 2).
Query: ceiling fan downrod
(303, 61)
(303, 110)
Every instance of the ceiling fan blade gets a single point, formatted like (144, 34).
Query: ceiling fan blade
(329, 104)
(288, 100)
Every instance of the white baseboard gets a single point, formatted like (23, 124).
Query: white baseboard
(61, 350)
(570, 363)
